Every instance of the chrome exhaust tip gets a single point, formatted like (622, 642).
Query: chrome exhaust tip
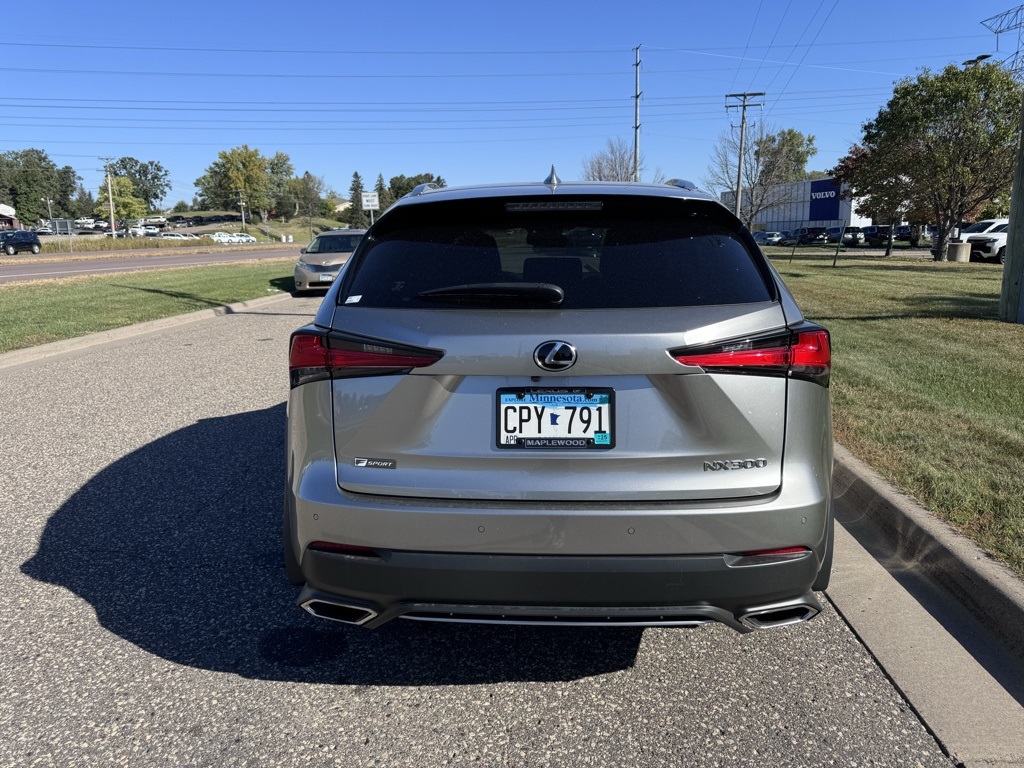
(343, 612)
(782, 614)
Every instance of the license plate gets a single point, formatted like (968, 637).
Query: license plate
(565, 419)
(326, 278)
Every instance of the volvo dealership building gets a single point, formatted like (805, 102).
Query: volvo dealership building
(817, 203)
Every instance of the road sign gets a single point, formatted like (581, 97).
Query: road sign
(371, 201)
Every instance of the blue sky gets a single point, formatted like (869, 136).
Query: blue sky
(472, 91)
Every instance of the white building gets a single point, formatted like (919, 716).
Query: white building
(816, 203)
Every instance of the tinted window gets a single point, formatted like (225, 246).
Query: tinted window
(605, 259)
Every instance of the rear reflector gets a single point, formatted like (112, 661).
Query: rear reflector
(804, 354)
(316, 355)
(767, 556)
(342, 549)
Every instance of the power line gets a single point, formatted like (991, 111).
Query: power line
(746, 45)
(308, 75)
(464, 53)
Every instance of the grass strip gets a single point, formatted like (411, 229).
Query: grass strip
(51, 310)
(927, 385)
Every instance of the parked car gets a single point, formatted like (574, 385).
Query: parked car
(979, 228)
(991, 245)
(84, 222)
(875, 235)
(322, 259)
(244, 237)
(222, 237)
(851, 235)
(811, 235)
(44, 230)
(101, 224)
(764, 237)
(485, 429)
(14, 241)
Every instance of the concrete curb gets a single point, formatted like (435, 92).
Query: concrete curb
(990, 591)
(53, 349)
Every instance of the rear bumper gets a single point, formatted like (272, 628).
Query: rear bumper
(546, 589)
(646, 563)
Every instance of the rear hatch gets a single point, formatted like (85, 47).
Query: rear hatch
(551, 343)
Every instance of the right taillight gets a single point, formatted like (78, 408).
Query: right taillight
(316, 354)
(801, 354)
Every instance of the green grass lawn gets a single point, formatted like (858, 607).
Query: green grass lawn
(927, 385)
(52, 310)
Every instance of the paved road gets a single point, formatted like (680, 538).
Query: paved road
(145, 618)
(52, 268)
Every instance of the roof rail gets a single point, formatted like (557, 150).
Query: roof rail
(683, 184)
(420, 189)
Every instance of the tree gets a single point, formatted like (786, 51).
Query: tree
(180, 207)
(952, 135)
(127, 205)
(84, 203)
(384, 197)
(357, 218)
(149, 179)
(400, 186)
(307, 190)
(261, 181)
(614, 163)
(279, 173)
(29, 178)
(771, 157)
(881, 194)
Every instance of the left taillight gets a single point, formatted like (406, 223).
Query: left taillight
(315, 354)
(801, 354)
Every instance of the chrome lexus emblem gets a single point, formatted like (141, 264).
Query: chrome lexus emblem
(555, 355)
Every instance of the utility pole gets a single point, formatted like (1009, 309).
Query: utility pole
(241, 205)
(110, 196)
(636, 118)
(1011, 297)
(53, 227)
(743, 137)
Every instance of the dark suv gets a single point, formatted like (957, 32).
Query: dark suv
(16, 241)
(550, 403)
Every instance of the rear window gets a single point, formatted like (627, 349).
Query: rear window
(619, 254)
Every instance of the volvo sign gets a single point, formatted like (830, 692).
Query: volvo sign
(824, 201)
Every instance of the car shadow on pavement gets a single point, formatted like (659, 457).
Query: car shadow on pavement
(177, 547)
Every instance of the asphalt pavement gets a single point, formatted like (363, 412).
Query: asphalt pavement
(146, 618)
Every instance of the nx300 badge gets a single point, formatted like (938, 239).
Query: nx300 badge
(715, 466)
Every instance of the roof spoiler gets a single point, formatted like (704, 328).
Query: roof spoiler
(421, 189)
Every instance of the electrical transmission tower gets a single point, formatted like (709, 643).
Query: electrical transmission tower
(1008, 22)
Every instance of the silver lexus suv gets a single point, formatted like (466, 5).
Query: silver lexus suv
(559, 403)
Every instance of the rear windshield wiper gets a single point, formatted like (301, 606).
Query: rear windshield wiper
(530, 293)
